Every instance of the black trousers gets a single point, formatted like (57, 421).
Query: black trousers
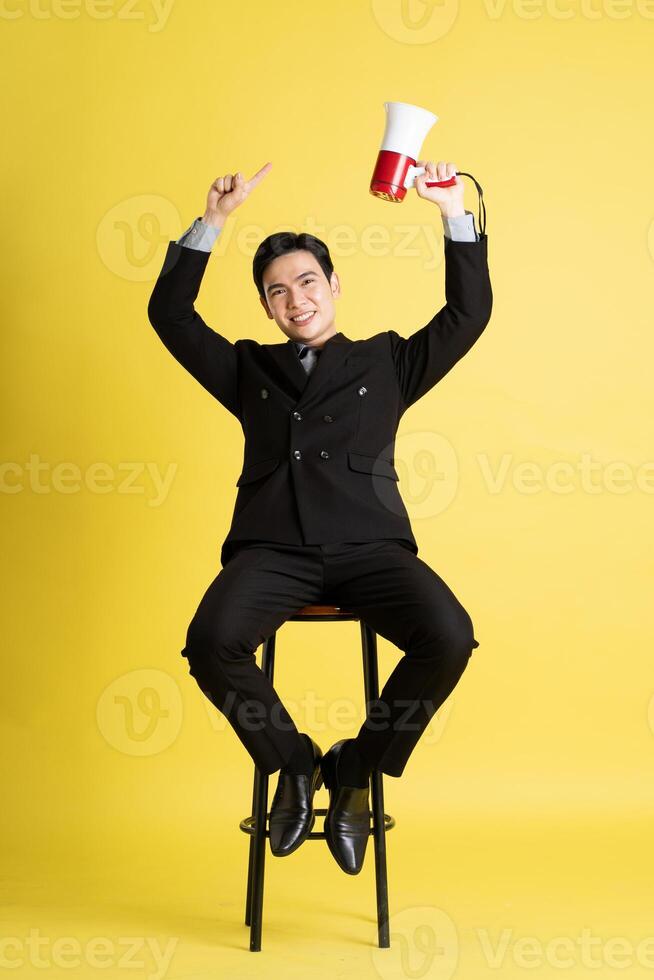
(385, 584)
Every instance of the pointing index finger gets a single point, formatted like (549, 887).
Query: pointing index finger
(260, 174)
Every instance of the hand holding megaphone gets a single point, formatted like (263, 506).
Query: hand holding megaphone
(397, 168)
(439, 183)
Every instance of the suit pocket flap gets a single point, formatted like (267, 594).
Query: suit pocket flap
(256, 470)
(377, 465)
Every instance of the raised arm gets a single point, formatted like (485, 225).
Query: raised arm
(210, 358)
(422, 359)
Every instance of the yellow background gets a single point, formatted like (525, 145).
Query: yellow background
(526, 813)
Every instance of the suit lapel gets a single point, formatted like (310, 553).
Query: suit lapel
(306, 385)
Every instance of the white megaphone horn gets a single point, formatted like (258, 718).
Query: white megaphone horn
(395, 171)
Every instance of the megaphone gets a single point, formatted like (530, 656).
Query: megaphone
(395, 171)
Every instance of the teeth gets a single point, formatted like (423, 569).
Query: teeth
(301, 319)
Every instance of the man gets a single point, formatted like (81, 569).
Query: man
(318, 517)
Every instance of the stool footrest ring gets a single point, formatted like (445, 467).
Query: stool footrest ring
(248, 824)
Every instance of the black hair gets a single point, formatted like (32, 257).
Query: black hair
(288, 241)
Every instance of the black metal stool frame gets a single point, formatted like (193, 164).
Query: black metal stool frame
(256, 825)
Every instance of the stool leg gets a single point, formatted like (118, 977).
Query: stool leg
(258, 861)
(248, 900)
(260, 812)
(371, 687)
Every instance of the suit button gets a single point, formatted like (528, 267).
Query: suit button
(327, 418)
(264, 392)
(297, 454)
(324, 454)
(296, 415)
(362, 390)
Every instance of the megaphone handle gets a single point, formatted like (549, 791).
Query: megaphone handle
(441, 183)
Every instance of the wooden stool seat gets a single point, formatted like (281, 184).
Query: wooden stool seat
(322, 611)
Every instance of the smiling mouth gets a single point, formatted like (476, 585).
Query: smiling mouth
(304, 317)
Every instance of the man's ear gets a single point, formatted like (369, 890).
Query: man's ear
(335, 284)
(265, 306)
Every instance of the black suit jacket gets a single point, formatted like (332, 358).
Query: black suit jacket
(318, 463)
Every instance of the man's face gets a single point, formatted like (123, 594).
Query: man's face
(295, 284)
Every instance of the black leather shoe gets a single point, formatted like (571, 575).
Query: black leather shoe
(347, 822)
(291, 813)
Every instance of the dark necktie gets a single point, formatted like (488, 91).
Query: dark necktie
(309, 356)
